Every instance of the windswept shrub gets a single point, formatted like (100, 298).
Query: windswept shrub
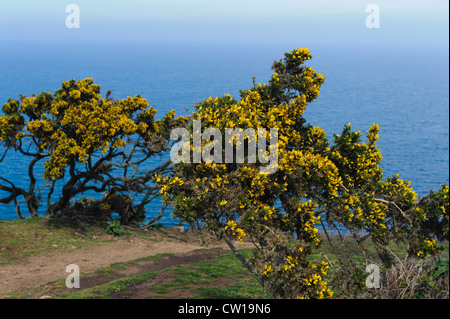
(87, 144)
(311, 184)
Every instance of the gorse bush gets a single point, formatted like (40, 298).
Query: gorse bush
(89, 143)
(316, 184)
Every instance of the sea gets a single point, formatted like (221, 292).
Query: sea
(403, 89)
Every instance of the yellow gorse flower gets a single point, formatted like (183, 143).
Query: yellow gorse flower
(236, 231)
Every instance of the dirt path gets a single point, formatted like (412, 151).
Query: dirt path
(34, 271)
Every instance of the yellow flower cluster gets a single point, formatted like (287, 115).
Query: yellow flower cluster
(223, 203)
(442, 211)
(301, 54)
(317, 282)
(315, 166)
(430, 243)
(352, 210)
(364, 211)
(309, 219)
(248, 173)
(225, 112)
(267, 270)
(64, 150)
(373, 135)
(376, 215)
(167, 183)
(428, 247)
(290, 263)
(395, 187)
(12, 122)
(6, 127)
(236, 231)
(11, 107)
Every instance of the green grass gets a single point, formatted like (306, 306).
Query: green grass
(225, 265)
(201, 279)
(21, 238)
(106, 290)
(237, 290)
(197, 280)
(33, 236)
(191, 277)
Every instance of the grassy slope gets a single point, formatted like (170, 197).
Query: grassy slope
(21, 238)
(217, 275)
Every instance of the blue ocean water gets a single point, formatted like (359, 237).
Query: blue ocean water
(404, 90)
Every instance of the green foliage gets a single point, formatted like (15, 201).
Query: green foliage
(349, 281)
(114, 228)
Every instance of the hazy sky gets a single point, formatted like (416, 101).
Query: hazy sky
(409, 22)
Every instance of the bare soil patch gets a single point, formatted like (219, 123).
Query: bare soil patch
(33, 271)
